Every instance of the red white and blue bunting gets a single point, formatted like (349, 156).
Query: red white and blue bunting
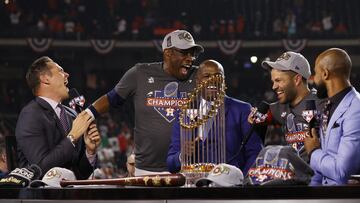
(158, 44)
(102, 46)
(39, 44)
(105, 46)
(229, 47)
(296, 45)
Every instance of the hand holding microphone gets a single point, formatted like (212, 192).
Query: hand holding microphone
(78, 102)
(259, 115)
(92, 136)
(92, 139)
(311, 115)
(80, 125)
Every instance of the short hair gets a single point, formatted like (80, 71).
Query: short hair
(293, 73)
(37, 68)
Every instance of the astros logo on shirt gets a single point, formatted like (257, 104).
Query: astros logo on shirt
(166, 101)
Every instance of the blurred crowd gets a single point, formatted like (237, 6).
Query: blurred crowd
(151, 19)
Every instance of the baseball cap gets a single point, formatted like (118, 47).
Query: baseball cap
(53, 177)
(290, 61)
(222, 175)
(180, 39)
(279, 165)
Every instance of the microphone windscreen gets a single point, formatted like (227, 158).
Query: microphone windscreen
(21, 177)
(263, 107)
(310, 105)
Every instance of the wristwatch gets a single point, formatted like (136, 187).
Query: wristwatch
(72, 139)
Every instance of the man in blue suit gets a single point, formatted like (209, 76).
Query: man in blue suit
(335, 156)
(236, 127)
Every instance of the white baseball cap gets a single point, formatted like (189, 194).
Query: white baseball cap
(53, 177)
(180, 39)
(223, 175)
(290, 61)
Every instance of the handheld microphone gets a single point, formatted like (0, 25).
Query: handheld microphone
(21, 177)
(310, 114)
(77, 102)
(260, 115)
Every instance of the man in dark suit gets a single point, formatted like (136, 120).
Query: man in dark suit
(236, 127)
(50, 134)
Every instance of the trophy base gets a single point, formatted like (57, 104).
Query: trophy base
(193, 172)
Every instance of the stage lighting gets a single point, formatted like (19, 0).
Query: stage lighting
(253, 59)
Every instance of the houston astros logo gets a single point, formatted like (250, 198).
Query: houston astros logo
(170, 112)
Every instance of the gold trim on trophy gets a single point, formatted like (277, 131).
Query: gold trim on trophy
(202, 128)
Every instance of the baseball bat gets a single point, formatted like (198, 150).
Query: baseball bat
(169, 180)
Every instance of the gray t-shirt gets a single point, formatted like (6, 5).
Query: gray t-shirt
(156, 97)
(293, 122)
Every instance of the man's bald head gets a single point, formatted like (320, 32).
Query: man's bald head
(207, 70)
(336, 61)
(332, 72)
(210, 64)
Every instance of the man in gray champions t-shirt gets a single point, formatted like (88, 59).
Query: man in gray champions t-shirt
(157, 90)
(289, 74)
(293, 123)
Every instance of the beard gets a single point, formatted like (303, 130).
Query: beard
(289, 97)
(289, 94)
(321, 90)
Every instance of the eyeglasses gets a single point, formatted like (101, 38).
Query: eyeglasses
(185, 52)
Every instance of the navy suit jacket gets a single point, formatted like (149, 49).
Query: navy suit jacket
(42, 140)
(338, 157)
(236, 127)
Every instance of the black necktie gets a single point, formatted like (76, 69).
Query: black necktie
(63, 120)
(325, 116)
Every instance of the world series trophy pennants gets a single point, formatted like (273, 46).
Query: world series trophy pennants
(202, 129)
